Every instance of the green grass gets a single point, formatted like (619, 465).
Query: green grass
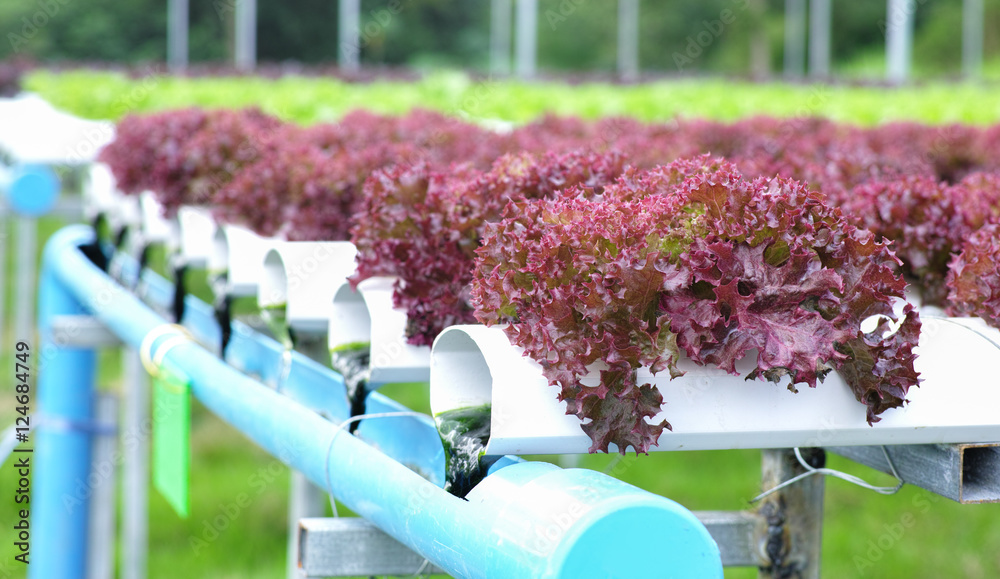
(104, 95)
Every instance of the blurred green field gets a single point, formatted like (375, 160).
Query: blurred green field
(939, 538)
(105, 95)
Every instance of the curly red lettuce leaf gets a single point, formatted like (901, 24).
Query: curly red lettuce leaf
(423, 226)
(691, 256)
(974, 277)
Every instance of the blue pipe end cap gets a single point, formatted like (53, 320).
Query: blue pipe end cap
(33, 190)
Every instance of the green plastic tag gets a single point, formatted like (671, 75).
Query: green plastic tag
(172, 437)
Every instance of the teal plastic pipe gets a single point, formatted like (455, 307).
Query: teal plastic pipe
(524, 520)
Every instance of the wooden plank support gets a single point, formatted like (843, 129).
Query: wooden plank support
(794, 515)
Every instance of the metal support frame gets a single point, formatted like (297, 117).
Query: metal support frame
(966, 473)
(245, 50)
(500, 29)
(526, 39)
(628, 39)
(819, 38)
(26, 264)
(795, 38)
(101, 547)
(135, 472)
(4, 244)
(305, 499)
(177, 34)
(348, 547)
(973, 21)
(899, 39)
(349, 34)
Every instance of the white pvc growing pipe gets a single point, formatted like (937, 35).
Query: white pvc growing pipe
(304, 276)
(367, 315)
(709, 409)
(100, 195)
(197, 228)
(155, 227)
(239, 253)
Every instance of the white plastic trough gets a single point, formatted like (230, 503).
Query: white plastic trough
(304, 276)
(957, 402)
(101, 197)
(155, 227)
(367, 315)
(239, 253)
(197, 229)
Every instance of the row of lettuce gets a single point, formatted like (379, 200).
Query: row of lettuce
(620, 243)
(308, 99)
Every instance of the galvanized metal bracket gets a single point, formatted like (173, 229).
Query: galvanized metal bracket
(348, 547)
(79, 331)
(966, 473)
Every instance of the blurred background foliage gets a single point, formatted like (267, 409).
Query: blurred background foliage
(574, 35)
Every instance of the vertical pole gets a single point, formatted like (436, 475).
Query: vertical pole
(305, 501)
(794, 515)
(628, 39)
(101, 555)
(305, 498)
(135, 474)
(177, 35)
(349, 34)
(27, 254)
(500, 16)
(973, 18)
(760, 45)
(795, 38)
(899, 39)
(60, 501)
(527, 38)
(4, 244)
(819, 38)
(246, 34)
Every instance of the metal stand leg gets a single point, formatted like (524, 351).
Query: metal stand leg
(794, 515)
(305, 500)
(135, 475)
(101, 549)
(27, 249)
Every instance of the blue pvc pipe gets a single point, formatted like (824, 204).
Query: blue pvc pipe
(61, 489)
(524, 520)
(33, 189)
